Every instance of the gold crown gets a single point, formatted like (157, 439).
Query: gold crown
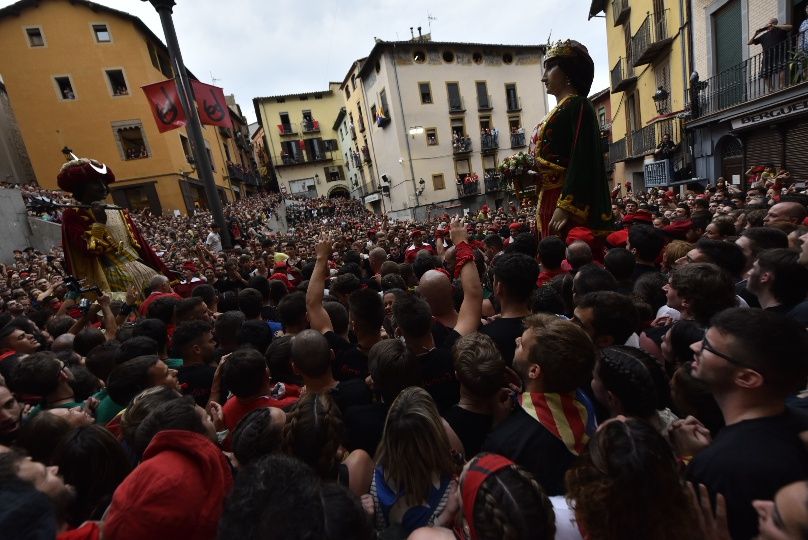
(564, 48)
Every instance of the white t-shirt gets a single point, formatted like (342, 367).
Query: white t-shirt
(214, 242)
(566, 526)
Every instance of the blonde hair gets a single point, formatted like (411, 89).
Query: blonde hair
(414, 449)
(675, 251)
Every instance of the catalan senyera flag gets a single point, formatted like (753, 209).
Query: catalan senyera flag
(563, 415)
(164, 101)
(210, 103)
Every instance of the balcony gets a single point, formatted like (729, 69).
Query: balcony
(357, 161)
(518, 139)
(456, 106)
(514, 104)
(468, 188)
(618, 151)
(489, 142)
(353, 133)
(622, 75)
(494, 182)
(316, 157)
(288, 160)
(751, 80)
(651, 39)
(286, 129)
(621, 10)
(644, 141)
(484, 103)
(366, 154)
(361, 125)
(309, 125)
(461, 145)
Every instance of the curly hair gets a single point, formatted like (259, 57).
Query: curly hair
(627, 485)
(511, 505)
(314, 432)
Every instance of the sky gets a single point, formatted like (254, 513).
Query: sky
(257, 48)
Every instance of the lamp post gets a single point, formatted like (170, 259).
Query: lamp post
(194, 127)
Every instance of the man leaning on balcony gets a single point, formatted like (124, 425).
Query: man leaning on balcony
(772, 38)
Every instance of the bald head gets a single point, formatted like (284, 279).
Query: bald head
(436, 289)
(785, 215)
(376, 258)
(158, 283)
(63, 343)
(578, 254)
(311, 354)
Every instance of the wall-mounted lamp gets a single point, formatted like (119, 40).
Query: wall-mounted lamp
(661, 100)
(68, 153)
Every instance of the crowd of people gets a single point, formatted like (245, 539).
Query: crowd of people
(356, 377)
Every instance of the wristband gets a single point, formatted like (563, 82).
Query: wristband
(463, 254)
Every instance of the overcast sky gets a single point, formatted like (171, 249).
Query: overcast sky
(261, 48)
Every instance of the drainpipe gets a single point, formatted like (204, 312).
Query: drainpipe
(406, 132)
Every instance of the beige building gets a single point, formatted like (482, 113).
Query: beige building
(745, 112)
(301, 141)
(436, 113)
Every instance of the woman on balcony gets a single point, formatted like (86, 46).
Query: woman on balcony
(573, 189)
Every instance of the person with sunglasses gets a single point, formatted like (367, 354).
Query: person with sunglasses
(751, 360)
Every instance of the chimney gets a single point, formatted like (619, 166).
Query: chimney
(412, 35)
(419, 34)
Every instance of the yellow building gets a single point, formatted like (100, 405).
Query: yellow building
(648, 44)
(301, 140)
(73, 71)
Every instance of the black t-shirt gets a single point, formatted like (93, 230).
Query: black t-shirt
(800, 313)
(771, 38)
(364, 425)
(195, 380)
(751, 460)
(351, 393)
(226, 284)
(529, 444)
(504, 332)
(472, 428)
(349, 361)
(436, 372)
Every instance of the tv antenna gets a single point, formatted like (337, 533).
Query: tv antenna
(430, 18)
(213, 80)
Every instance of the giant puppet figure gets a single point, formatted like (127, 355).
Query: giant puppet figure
(102, 246)
(572, 185)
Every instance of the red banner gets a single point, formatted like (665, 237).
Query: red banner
(164, 101)
(210, 103)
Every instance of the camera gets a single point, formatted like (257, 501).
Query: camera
(84, 305)
(75, 290)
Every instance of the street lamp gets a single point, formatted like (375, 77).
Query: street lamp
(68, 153)
(194, 127)
(661, 100)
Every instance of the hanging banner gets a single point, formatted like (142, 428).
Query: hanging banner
(211, 105)
(164, 101)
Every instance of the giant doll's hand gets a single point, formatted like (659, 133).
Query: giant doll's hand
(559, 221)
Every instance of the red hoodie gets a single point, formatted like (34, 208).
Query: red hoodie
(177, 491)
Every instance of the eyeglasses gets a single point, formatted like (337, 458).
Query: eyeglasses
(706, 346)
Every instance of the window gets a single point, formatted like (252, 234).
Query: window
(131, 140)
(602, 117)
(507, 58)
(35, 37)
(448, 57)
(431, 136)
(280, 100)
(458, 128)
(485, 123)
(514, 123)
(373, 113)
(117, 82)
(160, 60)
(210, 156)
(65, 87)
(347, 93)
(438, 182)
(186, 147)
(511, 97)
(477, 57)
(383, 103)
(101, 33)
(419, 57)
(483, 99)
(455, 101)
(353, 81)
(426, 92)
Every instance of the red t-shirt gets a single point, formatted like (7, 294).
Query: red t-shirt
(236, 408)
(144, 307)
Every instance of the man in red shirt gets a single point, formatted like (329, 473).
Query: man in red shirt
(417, 245)
(159, 287)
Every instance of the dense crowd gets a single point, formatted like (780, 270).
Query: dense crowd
(356, 377)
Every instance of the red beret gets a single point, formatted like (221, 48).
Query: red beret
(514, 226)
(80, 171)
(416, 232)
(643, 216)
(188, 265)
(678, 229)
(618, 238)
(580, 233)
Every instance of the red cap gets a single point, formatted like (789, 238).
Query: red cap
(416, 232)
(580, 233)
(514, 226)
(678, 229)
(642, 216)
(188, 265)
(618, 238)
